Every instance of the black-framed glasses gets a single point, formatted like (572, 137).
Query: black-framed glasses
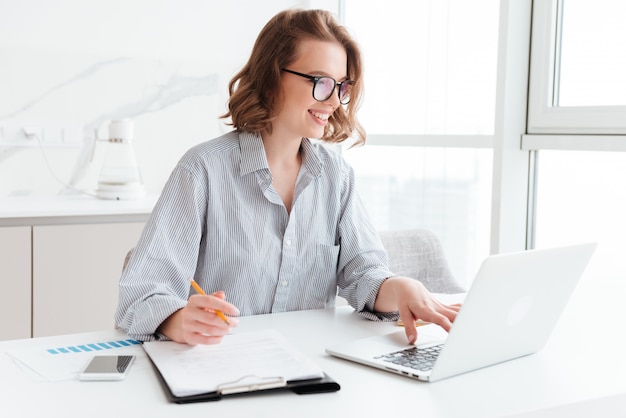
(323, 87)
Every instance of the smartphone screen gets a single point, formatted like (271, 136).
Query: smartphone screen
(107, 367)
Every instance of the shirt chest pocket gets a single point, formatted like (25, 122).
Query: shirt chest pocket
(322, 270)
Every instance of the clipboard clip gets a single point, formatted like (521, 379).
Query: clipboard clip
(251, 383)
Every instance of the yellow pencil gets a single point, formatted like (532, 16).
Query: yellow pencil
(200, 291)
(418, 323)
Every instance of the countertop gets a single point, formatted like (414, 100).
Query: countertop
(72, 209)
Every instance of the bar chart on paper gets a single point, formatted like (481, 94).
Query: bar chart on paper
(109, 345)
(64, 362)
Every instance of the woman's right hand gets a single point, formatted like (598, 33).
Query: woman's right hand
(197, 323)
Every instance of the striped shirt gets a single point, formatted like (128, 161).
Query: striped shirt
(220, 221)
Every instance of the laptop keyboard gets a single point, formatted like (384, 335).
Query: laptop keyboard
(422, 359)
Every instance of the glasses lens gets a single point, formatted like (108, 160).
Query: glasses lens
(323, 88)
(344, 92)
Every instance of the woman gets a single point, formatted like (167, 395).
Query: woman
(264, 219)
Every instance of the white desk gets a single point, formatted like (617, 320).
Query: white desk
(549, 383)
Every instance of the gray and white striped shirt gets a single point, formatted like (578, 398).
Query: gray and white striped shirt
(220, 221)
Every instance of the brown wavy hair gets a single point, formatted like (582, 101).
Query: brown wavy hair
(254, 100)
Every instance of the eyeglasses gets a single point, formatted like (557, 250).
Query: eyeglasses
(323, 87)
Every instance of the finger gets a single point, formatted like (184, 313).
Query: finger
(408, 319)
(202, 327)
(411, 332)
(221, 295)
(445, 323)
(226, 308)
(200, 314)
(212, 319)
(207, 323)
(196, 339)
(454, 306)
(212, 303)
(440, 319)
(450, 312)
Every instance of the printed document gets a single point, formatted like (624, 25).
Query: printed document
(249, 359)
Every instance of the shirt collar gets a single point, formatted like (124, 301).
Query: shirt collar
(253, 155)
(310, 158)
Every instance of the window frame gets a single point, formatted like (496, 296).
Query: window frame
(543, 117)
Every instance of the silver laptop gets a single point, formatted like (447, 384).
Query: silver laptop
(509, 312)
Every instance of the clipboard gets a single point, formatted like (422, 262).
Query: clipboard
(301, 387)
(253, 362)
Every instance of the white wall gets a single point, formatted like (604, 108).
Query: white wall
(165, 64)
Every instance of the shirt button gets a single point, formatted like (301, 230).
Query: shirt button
(288, 242)
(284, 282)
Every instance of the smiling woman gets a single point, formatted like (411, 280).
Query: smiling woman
(300, 107)
(332, 44)
(299, 234)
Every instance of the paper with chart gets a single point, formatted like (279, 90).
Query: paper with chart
(245, 357)
(63, 362)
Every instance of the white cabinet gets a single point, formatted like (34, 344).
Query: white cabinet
(76, 269)
(15, 282)
(61, 259)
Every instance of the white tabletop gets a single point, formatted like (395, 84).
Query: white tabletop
(582, 368)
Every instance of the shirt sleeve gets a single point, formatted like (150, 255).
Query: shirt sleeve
(156, 281)
(363, 262)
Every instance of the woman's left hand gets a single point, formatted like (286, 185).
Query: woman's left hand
(413, 301)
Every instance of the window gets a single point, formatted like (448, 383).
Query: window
(577, 122)
(446, 190)
(581, 197)
(430, 65)
(433, 142)
(430, 91)
(578, 67)
(592, 59)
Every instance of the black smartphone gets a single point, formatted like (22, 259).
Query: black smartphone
(113, 367)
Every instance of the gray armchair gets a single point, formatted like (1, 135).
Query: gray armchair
(418, 254)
